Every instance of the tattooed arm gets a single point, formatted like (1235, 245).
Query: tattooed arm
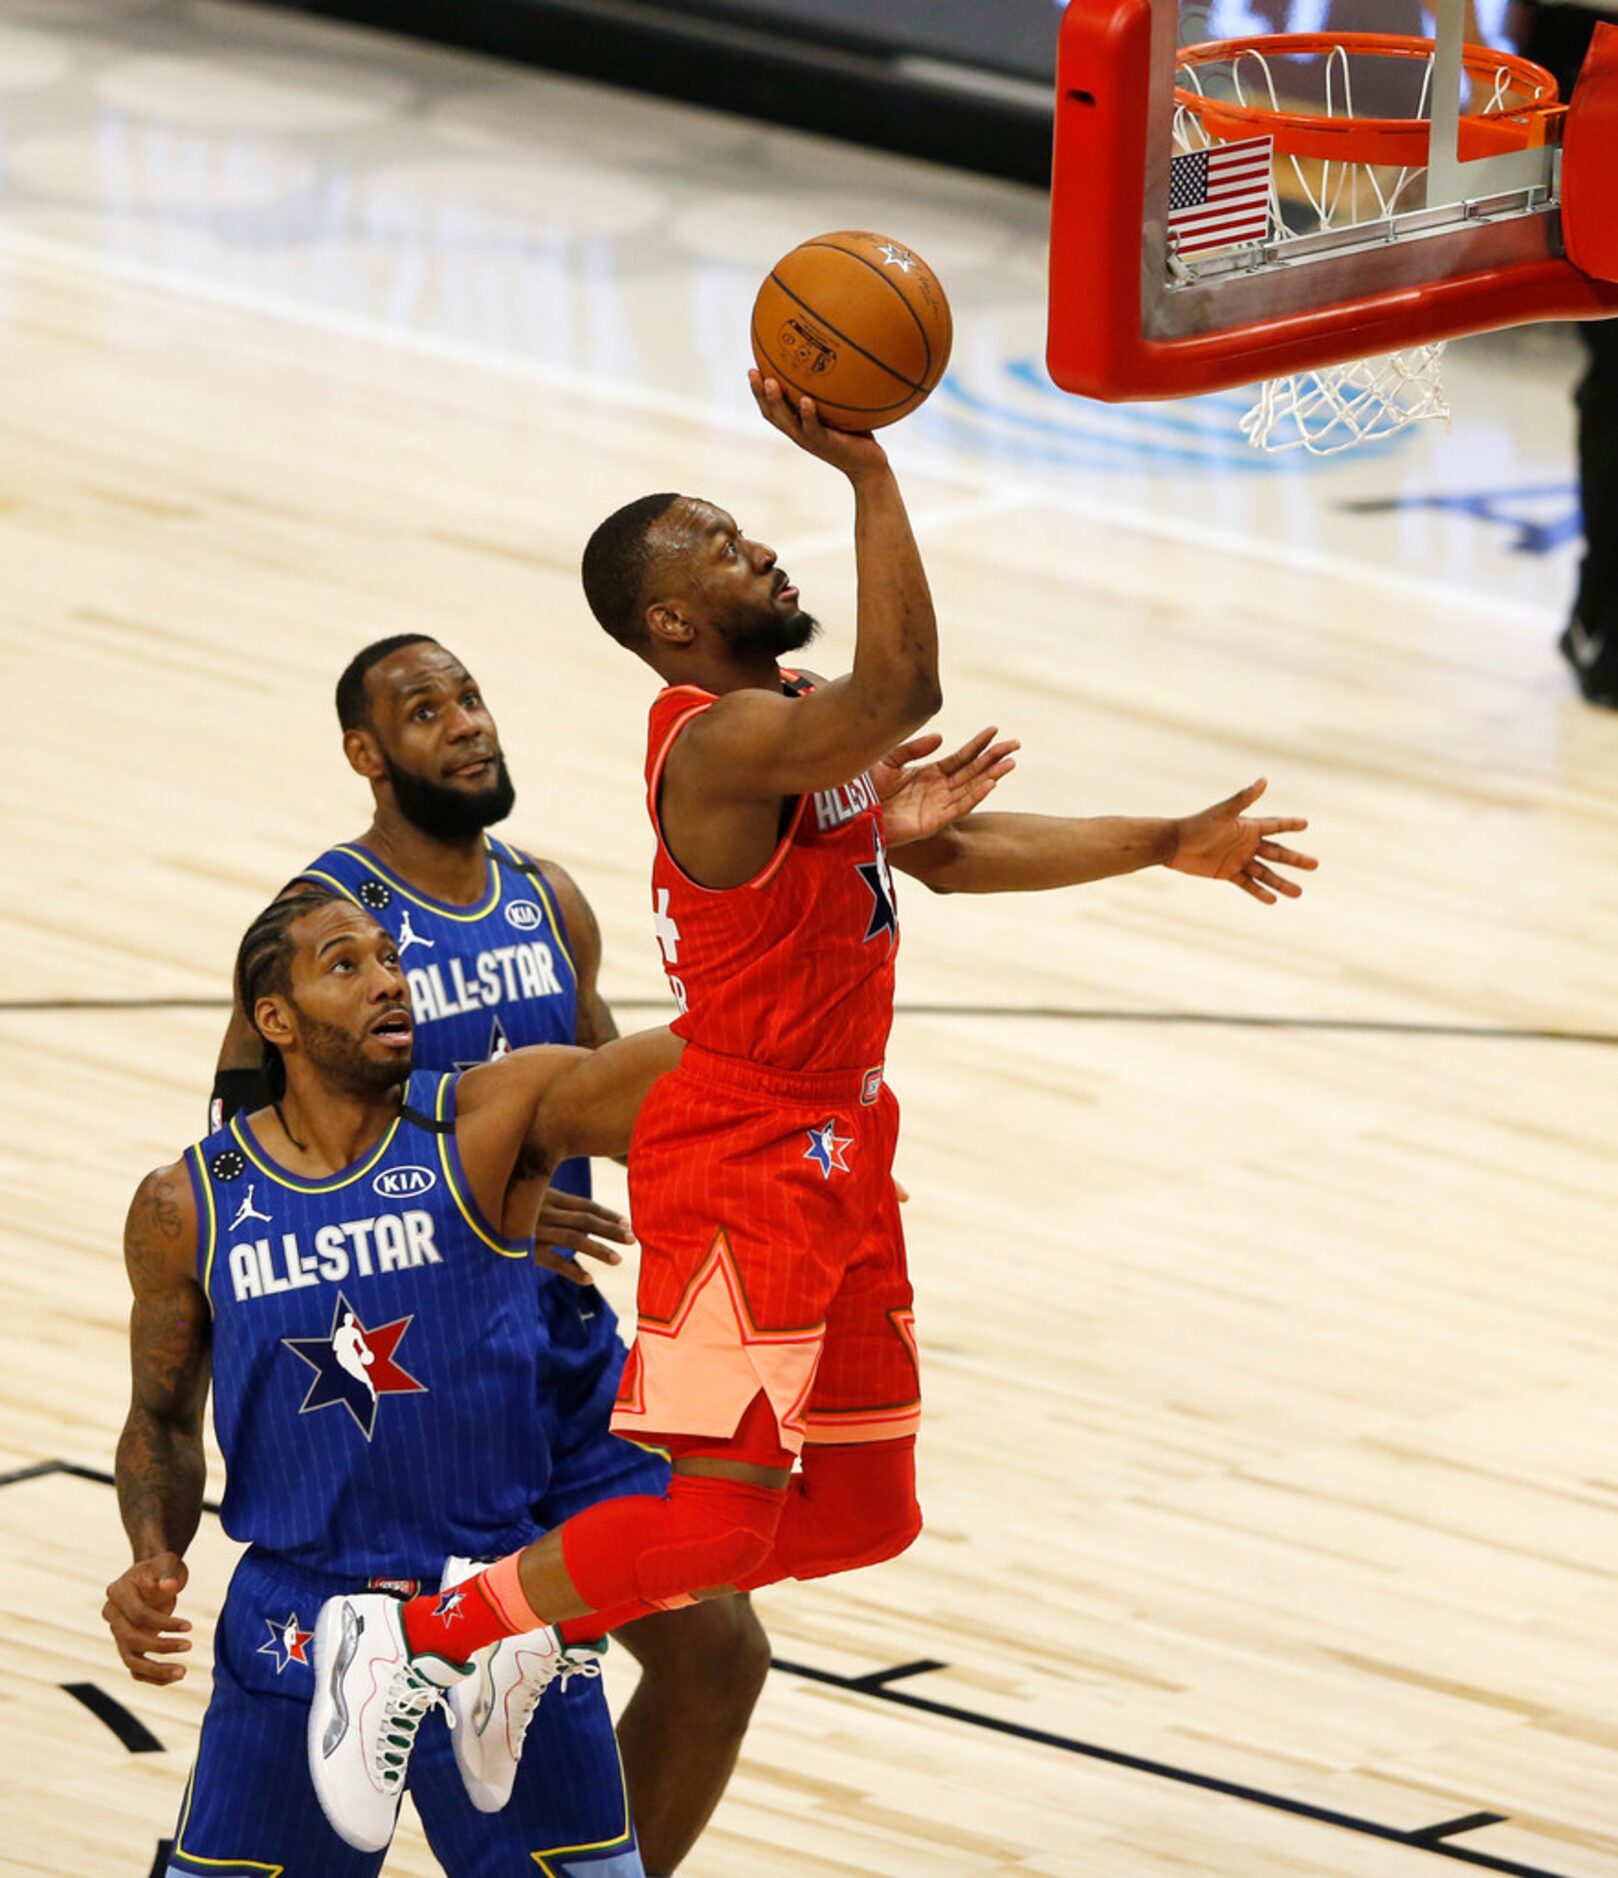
(160, 1468)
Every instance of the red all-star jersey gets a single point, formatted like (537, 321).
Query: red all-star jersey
(794, 969)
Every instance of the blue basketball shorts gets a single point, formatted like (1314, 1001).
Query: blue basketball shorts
(250, 1809)
(581, 1358)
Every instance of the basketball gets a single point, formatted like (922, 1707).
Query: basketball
(856, 321)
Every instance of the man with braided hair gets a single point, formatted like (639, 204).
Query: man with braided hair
(368, 1334)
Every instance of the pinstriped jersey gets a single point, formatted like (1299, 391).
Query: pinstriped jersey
(374, 1358)
(484, 979)
(793, 969)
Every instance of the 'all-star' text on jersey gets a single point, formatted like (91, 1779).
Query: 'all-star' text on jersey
(792, 970)
(374, 1358)
(484, 979)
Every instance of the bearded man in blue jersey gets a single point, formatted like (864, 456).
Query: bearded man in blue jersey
(502, 951)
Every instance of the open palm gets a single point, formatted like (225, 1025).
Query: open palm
(920, 798)
(1224, 844)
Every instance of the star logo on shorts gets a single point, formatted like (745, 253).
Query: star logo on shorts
(826, 1147)
(287, 1643)
(354, 1366)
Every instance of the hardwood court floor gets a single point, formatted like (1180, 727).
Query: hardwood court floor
(1269, 1360)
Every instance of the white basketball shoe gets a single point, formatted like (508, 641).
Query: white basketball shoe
(370, 1697)
(494, 1705)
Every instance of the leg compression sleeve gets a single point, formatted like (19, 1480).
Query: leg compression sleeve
(851, 1506)
(704, 1532)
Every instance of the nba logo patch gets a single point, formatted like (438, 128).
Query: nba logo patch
(826, 1147)
(287, 1642)
(871, 1087)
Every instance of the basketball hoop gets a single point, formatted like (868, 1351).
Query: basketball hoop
(1336, 170)
(1482, 206)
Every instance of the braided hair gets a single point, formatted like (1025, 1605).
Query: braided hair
(264, 965)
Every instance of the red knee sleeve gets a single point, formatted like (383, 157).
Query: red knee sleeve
(702, 1533)
(851, 1506)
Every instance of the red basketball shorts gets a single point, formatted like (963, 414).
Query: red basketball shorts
(772, 1258)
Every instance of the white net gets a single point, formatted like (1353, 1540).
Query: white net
(1336, 407)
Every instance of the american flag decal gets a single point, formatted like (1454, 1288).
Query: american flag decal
(1219, 196)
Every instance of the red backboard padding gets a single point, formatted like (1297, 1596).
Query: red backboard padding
(1590, 162)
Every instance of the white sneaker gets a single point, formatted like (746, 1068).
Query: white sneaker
(495, 1704)
(370, 1697)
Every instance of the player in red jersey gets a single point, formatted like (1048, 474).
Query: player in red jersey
(774, 1304)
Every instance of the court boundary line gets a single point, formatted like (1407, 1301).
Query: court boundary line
(1039, 1013)
(876, 1685)
(1422, 1839)
(128, 270)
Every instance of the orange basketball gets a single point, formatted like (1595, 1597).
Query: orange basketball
(858, 322)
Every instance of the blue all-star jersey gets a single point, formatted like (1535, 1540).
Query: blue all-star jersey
(484, 979)
(374, 1357)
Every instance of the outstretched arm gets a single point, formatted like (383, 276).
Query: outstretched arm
(1030, 853)
(517, 1120)
(160, 1467)
(591, 1109)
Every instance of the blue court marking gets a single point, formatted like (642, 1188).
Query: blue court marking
(1535, 533)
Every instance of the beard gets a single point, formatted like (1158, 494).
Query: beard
(768, 632)
(451, 814)
(340, 1057)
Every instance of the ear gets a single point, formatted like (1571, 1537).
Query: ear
(666, 625)
(273, 1021)
(364, 754)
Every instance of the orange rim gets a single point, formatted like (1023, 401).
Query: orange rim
(1384, 142)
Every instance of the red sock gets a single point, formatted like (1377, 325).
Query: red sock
(478, 1611)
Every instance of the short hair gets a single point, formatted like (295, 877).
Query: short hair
(353, 707)
(617, 559)
(264, 962)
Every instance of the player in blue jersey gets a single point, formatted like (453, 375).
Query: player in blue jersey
(350, 1266)
(502, 951)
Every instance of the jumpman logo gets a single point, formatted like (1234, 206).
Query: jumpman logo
(247, 1210)
(409, 937)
